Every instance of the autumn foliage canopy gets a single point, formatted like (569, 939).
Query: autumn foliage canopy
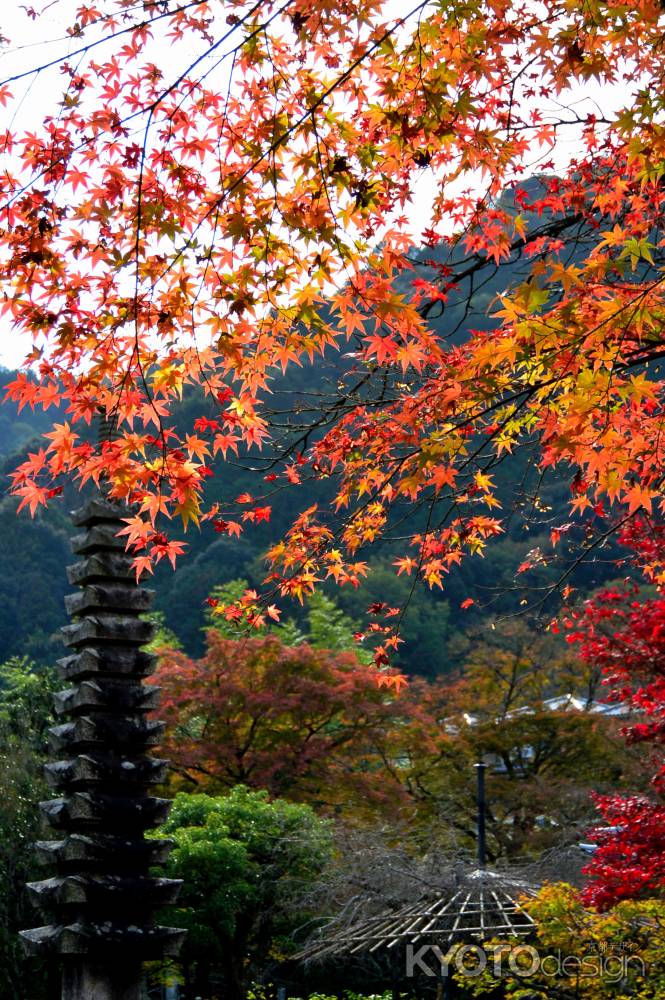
(258, 713)
(211, 223)
(621, 634)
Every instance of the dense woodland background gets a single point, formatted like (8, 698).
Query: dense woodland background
(37, 551)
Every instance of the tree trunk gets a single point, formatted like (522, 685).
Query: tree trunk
(234, 975)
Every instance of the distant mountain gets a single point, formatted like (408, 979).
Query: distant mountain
(36, 552)
(16, 429)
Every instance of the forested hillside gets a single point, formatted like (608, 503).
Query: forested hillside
(37, 551)
(435, 626)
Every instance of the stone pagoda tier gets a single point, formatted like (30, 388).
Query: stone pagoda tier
(101, 900)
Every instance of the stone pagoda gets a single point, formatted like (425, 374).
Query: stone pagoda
(101, 900)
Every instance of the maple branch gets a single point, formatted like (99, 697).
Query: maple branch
(112, 36)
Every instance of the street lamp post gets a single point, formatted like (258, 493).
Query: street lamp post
(481, 767)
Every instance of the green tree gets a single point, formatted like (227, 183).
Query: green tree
(164, 637)
(25, 714)
(324, 625)
(35, 554)
(425, 626)
(329, 628)
(243, 860)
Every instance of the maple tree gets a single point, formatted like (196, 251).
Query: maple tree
(313, 725)
(622, 634)
(297, 721)
(212, 224)
(544, 757)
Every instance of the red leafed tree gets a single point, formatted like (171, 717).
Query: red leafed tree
(623, 636)
(629, 862)
(211, 217)
(297, 721)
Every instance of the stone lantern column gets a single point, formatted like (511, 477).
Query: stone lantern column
(101, 899)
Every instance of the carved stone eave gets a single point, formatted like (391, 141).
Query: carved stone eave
(104, 939)
(102, 896)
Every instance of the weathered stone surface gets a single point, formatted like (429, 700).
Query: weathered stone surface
(109, 661)
(86, 980)
(104, 893)
(108, 628)
(107, 694)
(105, 769)
(101, 536)
(109, 938)
(109, 597)
(112, 813)
(101, 566)
(89, 732)
(96, 510)
(101, 852)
